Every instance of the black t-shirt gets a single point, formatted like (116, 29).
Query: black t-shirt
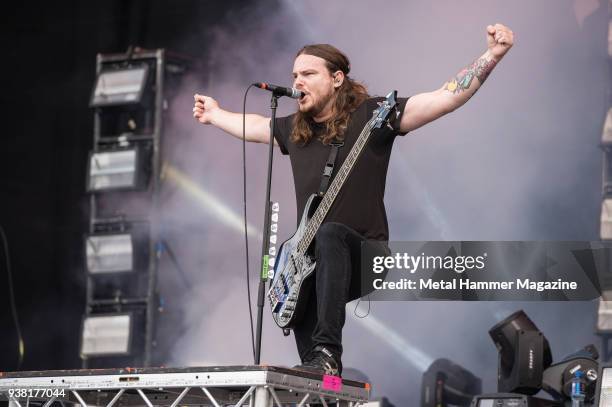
(359, 203)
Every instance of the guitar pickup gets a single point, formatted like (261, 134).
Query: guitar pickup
(275, 303)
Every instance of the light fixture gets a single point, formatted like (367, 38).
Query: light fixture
(604, 387)
(557, 379)
(106, 335)
(604, 313)
(606, 134)
(605, 220)
(610, 38)
(446, 383)
(109, 253)
(119, 86)
(120, 168)
(117, 246)
(524, 354)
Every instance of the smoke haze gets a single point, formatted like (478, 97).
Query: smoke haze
(520, 161)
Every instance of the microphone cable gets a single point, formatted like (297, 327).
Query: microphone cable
(244, 204)
(12, 298)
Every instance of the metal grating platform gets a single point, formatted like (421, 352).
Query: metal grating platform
(254, 386)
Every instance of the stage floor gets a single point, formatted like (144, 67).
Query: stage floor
(259, 386)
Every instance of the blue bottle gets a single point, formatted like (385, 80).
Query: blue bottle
(578, 388)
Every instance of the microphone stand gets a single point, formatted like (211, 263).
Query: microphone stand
(265, 245)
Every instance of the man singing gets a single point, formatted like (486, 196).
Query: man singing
(335, 108)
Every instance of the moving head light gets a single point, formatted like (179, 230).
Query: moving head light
(524, 354)
(446, 383)
(557, 378)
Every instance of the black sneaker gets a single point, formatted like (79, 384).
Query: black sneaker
(322, 361)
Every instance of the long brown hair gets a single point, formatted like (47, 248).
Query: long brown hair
(346, 98)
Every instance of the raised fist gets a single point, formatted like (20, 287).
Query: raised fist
(499, 40)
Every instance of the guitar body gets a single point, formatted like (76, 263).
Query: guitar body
(291, 274)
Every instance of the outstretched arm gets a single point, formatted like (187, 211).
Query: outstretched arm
(426, 107)
(206, 110)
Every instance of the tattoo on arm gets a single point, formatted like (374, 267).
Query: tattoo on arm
(481, 68)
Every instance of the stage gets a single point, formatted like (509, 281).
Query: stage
(256, 386)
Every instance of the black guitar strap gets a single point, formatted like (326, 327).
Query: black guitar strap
(329, 166)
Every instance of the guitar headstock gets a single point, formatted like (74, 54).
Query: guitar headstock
(386, 110)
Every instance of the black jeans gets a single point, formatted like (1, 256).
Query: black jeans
(336, 281)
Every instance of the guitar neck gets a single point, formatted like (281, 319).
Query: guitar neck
(334, 188)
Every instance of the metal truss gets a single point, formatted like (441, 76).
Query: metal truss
(242, 386)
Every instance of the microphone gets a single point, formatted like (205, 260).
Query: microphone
(280, 90)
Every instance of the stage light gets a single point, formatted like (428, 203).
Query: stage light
(604, 314)
(605, 220)
(119, 86)
(524, 354)
(606, 134)
(557, 379)
(106, 335)
(610, 38)
(109, 253)
(604, 387)
(117, 247)
(123, 168)
(446, 383)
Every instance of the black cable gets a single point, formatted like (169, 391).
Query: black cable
(12, 298)
(244, 203)
(357, 305)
